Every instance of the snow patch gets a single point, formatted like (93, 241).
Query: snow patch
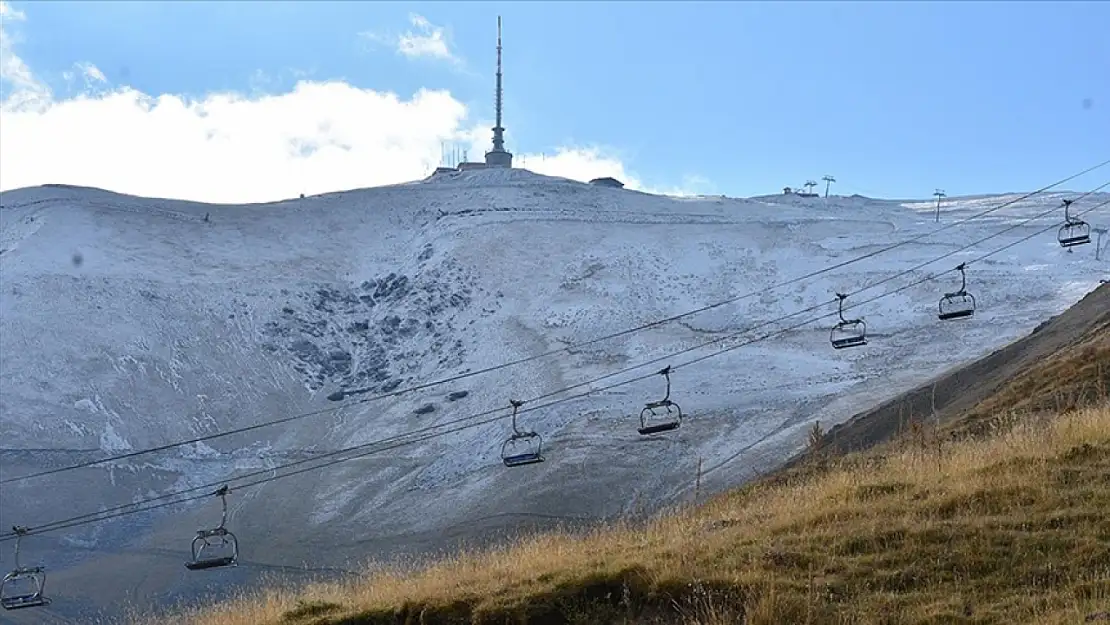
(176, 327)
(112, 442)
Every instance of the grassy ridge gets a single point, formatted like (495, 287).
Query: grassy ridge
(1007, 528)
(1071, 378)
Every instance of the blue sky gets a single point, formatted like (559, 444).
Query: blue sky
(892, 98)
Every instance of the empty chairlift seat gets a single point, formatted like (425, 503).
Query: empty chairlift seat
(1075, 231)
(23, 586)
(663, 415)
(958, 305)
(521, 448)
(216, 547)
(848, 332)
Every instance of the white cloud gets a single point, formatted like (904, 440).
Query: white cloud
(321, 136)
(92, 79)
(225, 147)
(16, 79)
(583, 164)
(428, 41)
(9, 12)
(260, 82)
(92, 72)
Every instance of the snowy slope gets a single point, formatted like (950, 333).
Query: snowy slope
(182, 319)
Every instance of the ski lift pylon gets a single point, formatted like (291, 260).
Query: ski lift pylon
(849, 332)
(673, 418)
(521, 448)
(23, 586)
(218, 540)
(958, 305)
(1075, 231)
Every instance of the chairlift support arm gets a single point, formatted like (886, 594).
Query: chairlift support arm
(20, 531)
(666, 373)
(840, 306)
(222, 493)
(516, 404)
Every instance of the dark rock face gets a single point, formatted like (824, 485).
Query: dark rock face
(375, 335)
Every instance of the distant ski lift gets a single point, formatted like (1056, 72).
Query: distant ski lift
(217, 547)
(522, 447)
(23, 587)
(849, 332)
(1075, 231)
(661, 423)
(960, 304)
(809, 190)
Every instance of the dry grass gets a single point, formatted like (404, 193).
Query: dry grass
(1071, 378)
(1011, 528)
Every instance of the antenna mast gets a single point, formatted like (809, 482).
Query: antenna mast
(498, 157)
(498, 140)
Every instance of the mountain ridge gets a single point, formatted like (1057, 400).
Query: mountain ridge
(160, 334)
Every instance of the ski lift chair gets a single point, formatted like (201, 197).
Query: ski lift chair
(958, 305)
(23, 587)
(220, 544)
(670, 420)
(522, 447)
(1075, 231)
(849, 332)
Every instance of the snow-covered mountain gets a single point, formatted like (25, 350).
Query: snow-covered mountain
(129, 322)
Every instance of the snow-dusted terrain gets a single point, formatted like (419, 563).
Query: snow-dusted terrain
(129, 322)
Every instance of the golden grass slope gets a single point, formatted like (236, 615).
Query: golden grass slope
(1010, 528)
(1071, 378)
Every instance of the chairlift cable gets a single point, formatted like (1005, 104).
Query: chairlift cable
(86, 519)
(594, 380)
(398, 441)
(512, 363)
(1038, 233)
